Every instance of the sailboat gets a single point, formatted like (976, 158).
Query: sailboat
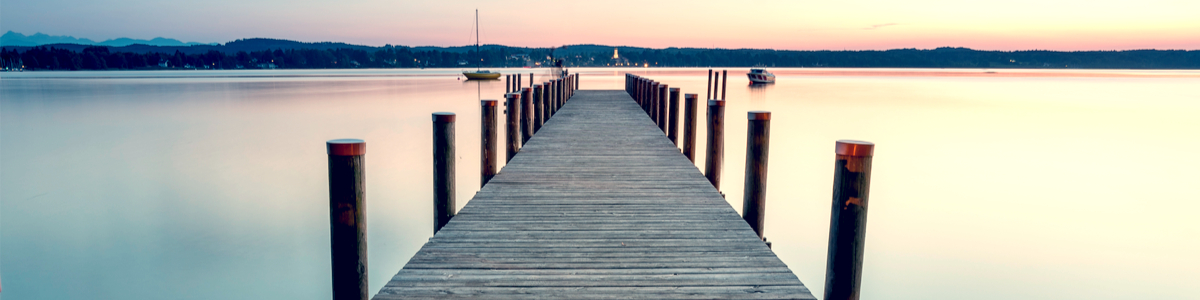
(479, 74)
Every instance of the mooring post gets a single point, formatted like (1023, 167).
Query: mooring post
(576, 77)
(689, 126)
(443, 169)
(645, 98)
(512, 125)
(724, 83)
(708, 89)
(530, 79)
(507, 84)
(639, 88)
(517, 85)
(348, 218)
(487, 142)
(662, 107)
(545, 90)
(538, 108)
(654, 94)
(848, 223)
(673, 117)
(560, 90)
(714, 157)
(715, 87)
(526, 115)
(628, 81)
(552, 91)
(754, 203)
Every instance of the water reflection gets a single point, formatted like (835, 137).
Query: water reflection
(758, 93)
(211, 184)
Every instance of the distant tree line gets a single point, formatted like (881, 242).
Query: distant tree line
(100, 58)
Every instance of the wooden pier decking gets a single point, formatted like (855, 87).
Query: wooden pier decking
(597, 205)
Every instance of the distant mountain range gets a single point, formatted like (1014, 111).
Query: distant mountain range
(11, 38)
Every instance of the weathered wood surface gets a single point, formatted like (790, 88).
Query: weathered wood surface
(598, 205)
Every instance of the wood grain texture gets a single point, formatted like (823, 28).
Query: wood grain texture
(599, 204)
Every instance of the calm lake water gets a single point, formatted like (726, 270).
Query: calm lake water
(212, 184)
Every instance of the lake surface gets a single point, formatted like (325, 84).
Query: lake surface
(1033, 184)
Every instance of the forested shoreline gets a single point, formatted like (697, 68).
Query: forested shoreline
(277, 54)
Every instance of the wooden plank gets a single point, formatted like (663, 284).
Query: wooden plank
(597, 205)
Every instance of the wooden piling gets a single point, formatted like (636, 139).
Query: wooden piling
(530, 79)
(662, 107)
(526, 115)
(717, 85)
(517, 85)
(443, 169)
(754, 201)
(552, 91)
(708, 89)
(348, 218)
(487, 142)
(673, 117)
(512, 125)
(714, 157)
(641, 94)
(545, 88)
(507, 84)
(848, 223)
(689, 126)
(646, 95)
(724, 83)
(654, 102)
(560, 90)
(538, 108)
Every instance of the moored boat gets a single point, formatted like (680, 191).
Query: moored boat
(760, 76)
(478, 73)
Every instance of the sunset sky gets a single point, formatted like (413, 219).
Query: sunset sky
(797, 25)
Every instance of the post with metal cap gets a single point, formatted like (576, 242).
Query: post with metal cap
(526, 115)
(487, 142)
(348, 218)
(689, 126)
(443, 169)
(714, 157)
(512, 125)
(673, 117)
(848, 223)
(662, 107)
(538, 107)
(754, 203)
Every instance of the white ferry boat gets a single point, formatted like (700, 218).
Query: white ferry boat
(760, 76)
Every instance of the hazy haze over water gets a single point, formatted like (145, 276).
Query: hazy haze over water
(212, 184)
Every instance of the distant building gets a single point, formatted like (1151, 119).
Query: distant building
(164, 64)
(615, 56)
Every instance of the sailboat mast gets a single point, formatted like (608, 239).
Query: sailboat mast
(479, 58)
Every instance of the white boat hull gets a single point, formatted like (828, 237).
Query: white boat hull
(761, 78)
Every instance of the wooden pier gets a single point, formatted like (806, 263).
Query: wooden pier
(599, 204)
